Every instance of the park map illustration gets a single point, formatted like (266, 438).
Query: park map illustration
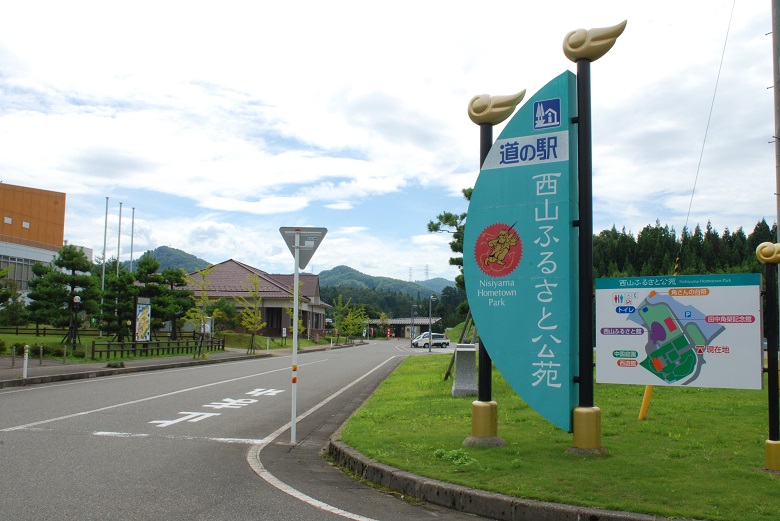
(677, 337)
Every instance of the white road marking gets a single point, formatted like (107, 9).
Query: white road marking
(245, 441)
(253, 458)
(149, 398)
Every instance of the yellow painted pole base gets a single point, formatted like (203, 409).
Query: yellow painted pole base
(773, 455)
(587, 431)
(484, 425)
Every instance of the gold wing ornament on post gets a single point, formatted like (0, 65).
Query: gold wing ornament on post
(591, 44)
(493, 109)
(768, 253)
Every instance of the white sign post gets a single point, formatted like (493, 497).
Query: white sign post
(302, 252)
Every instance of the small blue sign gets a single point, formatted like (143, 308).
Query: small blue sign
(547, 113)
(688, 314)
(625, 309)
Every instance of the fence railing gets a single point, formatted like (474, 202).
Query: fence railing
(44, 331)
(154, 348)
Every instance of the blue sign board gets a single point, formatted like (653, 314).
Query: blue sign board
(520, 252)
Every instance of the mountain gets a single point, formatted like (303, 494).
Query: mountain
(346, 276)
(173, 258)
(436, 284)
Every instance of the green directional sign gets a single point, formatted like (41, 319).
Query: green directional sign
(520, 252)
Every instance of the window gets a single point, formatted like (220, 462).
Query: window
(8, 220)
(25, 224)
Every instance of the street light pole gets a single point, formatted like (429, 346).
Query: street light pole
(411, 326)
(430, 322)
(74, 324)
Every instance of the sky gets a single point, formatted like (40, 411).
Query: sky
(215, 124)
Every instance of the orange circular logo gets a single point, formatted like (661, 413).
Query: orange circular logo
(498, 250)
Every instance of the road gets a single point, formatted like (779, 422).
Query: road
(200, 443)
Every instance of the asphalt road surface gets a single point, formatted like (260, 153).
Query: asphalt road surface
(200, 443)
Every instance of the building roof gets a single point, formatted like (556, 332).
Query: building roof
(310, 284)
(230, 279)
(418, 321)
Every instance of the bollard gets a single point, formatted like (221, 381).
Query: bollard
(40, 354)
(24, 367)
(13, 357)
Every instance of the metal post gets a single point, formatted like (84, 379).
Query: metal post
(485, 367)
(26, 353)
(295, 338)
(103, 277)
(74, 331)
(772, 351)
(411, 327)
(430, 323)
(776, 83)
(585, 171)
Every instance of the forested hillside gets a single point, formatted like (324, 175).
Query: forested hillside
(655, 248)
(172, 258)
(349, 277)
(399, 304)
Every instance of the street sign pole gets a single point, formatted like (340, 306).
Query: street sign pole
(295, 338)
(312, 239)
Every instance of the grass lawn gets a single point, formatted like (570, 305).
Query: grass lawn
(699, 454)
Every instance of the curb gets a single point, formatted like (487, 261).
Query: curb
(478, 502)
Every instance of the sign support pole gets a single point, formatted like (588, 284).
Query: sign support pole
(583, 47)
(769, 254)
(586, 418)
(295, 339)
(311, 241)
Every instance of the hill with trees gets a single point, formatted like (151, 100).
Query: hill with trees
(348, 277)
(172, 258)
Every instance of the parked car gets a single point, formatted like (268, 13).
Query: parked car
(439, 340)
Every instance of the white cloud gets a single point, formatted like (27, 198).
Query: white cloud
(221, 123)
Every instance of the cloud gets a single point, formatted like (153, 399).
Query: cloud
(353, 117)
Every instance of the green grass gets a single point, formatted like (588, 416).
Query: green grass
(699, 454)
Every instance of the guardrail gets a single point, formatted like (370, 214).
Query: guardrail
(153, 348)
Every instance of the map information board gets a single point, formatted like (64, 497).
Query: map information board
(698, 331)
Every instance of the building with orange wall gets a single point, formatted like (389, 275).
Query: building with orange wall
(32, 229)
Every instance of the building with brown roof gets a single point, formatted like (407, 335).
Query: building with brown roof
(229, 280)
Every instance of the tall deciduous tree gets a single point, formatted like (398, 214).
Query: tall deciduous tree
(252, 308)
(197, 316)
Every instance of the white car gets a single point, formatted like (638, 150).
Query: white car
(439, 340)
